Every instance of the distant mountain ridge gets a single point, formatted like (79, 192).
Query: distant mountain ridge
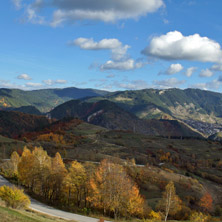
(193, 106)
(109, 115)
(201, 105)
(44, 99)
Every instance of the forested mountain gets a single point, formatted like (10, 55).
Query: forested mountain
(109, 115)
(44, 99)
(176, 103)
(13, 124)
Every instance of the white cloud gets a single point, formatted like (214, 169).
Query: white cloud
(175, 46)
(119, 58)
(213, 85)
(174, 68)
(61, 81)
(132, 85)
(129, 64)
(17, 4)
(168, 83)
(189, 72)
(90, 44)
(103, 10)
(206, 73)
(100, 10)
(216, 67)
(51, 82)
(24, 77)
(118, 50)
(33, 84)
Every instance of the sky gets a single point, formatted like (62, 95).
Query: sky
(111, 44)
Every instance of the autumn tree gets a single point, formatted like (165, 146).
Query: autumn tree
(170, 203)
(206, 202)
(57, 175)
(75, 183)
(10, 168)
(26, 169)
(14, 197)
(113, 191)
(42, 170)
(14, 160)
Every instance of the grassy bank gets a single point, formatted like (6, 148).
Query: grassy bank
(10, 215)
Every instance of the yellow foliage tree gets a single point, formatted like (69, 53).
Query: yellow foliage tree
(10, 168)
(170, 202)
(113, 191)
(14, 197)
(57, 175)
(75, 183)
(27, 169)
(14, 160)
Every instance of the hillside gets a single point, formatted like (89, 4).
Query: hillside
(109, 115)
(44, 99)
(13, 124)
(26, 109)
(183, 104)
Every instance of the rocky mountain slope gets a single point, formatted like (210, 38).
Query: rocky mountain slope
(109, 115)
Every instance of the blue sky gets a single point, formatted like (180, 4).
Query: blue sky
(111, 44)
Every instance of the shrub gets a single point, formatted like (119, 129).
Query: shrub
(14, 197)
(155, 216)
(198, 217)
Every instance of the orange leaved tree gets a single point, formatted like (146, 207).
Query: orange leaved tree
(206, 202)
(114, 192)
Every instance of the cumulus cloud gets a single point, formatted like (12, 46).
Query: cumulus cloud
(175, 46)
(189, 72)
(120, 60)
(206, 73)
(126, 65)
(168, 83)
(173, 69)
(51, 82)
(117, 48)
(100, 10)
(24, 77)
(103, 10)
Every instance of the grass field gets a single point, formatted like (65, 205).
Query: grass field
(10, 215)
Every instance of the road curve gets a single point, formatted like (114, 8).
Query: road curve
(43, 208)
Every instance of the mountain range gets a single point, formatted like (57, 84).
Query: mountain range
(45, 99)
(135, 110)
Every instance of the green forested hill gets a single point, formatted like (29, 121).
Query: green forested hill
(44, 99)
(109, 115)
(195, 104)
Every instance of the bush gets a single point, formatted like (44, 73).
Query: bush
(155, 216)
(198, 217)
(14, 197)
